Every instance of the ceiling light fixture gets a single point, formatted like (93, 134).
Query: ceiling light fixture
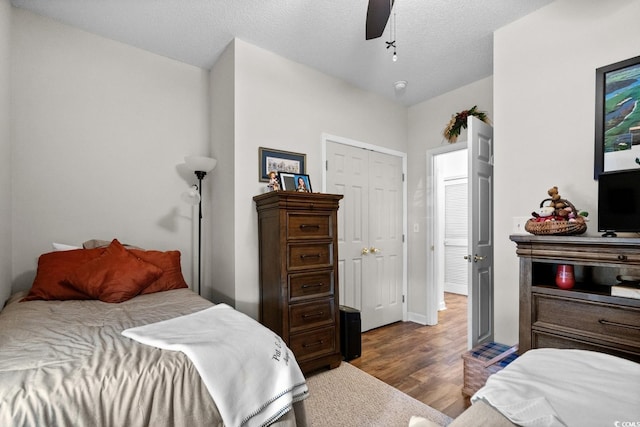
(400, 85)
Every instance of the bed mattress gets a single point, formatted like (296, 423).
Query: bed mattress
(66, 363)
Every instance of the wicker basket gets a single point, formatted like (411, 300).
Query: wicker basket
(558, 228)
(483, 361)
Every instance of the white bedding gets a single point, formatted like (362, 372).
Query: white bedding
(562, 387)
(262, 380)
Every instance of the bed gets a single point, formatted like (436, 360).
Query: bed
(558, 387)
(66, 361)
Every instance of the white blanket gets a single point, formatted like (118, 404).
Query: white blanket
(554, 387)
(250, 373)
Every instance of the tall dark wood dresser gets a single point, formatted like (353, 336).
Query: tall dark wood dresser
(297, 235)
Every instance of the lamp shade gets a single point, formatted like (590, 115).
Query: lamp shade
(200, 163)
(191, 196)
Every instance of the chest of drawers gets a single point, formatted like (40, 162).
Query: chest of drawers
(297, 235)
(587, 316)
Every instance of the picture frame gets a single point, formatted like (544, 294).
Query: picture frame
(617, 120)
(280, 161)
(295, 182)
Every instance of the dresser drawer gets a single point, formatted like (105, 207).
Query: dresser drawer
(309, 225)
(311, 314)
(546, 339)
(309, 255)
(315, 343)
(310, 285)
(587, 317)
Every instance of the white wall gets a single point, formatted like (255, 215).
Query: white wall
(544, 91)
(284, 105)
(5, 152)
(221, 287)
(99, 129)
(426, 122)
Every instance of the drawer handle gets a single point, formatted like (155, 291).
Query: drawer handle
(622, 257)
(621, 325)
(314, 226)
(313, 344)
(318, 314)
(305, 256)
(312, 285)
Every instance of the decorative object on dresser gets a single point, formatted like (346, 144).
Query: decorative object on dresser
(556, 216)
(297, 235)
(564, 276)
(627, 286)
(587, 316)
(295, 182)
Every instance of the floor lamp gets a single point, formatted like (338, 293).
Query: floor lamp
(200, 166)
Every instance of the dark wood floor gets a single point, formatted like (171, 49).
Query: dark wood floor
(423, 361)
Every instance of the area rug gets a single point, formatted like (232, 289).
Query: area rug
(347, 396)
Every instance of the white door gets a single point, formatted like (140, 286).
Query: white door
(480, 257)
(454, 215)
(370, 235)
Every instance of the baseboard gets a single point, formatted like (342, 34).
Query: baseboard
(417, 318)
(456, 289)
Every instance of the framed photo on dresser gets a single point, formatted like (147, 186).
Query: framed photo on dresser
(295, 182)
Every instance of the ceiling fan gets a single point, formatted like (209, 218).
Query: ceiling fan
(378, 13)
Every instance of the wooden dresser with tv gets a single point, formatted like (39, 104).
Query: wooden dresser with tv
(298, 239)
(586, 316)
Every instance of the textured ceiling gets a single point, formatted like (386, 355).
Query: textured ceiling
(441, 44)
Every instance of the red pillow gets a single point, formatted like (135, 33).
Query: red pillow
(169, 262)
(53, 268)
(116, 276)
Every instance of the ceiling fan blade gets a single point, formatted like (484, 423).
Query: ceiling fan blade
(378, 13)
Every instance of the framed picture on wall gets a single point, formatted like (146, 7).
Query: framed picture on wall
(617, 133)
(295, 182)
(280, 161)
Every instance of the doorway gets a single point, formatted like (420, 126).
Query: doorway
(479, 251)
(371, 227)
(447, 223)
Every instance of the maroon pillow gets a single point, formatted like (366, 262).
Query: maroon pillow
(115, 276)
(53, 268)
(169, 262)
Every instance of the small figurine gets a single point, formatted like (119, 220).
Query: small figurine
(273, 181)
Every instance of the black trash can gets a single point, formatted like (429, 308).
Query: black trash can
(350, 327)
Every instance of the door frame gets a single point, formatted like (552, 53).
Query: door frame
(366, 146)
(432, 265)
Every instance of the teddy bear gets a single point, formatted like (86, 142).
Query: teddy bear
(555, 208)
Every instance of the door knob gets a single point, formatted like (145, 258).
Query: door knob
(475, 258)
(365, 251)
(374, 250)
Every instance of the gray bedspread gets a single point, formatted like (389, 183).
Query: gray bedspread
(65, 363)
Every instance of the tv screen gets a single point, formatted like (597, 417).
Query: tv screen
(619, 202)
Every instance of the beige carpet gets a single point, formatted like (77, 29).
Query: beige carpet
(347, 396)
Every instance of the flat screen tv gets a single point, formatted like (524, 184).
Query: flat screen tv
(619, 202)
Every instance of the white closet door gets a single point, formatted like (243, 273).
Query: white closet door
(456, 268)
(370, 247)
